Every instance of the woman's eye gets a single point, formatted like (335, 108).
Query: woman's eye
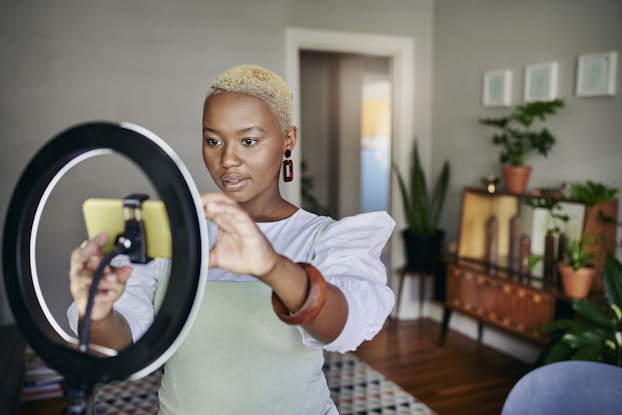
(212, 142)
(249, 141)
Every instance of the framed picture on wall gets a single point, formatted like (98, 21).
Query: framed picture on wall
(596, 74)
(497, 88)
(541, 82)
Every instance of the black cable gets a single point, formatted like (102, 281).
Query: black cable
(123, 246)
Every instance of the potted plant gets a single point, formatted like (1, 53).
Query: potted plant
(422, 239)
(576, 268)
(518, 140)
(592, 192)
(595, 332)
(601, 210)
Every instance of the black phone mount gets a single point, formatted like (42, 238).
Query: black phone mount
(135, 228)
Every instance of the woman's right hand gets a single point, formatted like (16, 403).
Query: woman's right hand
(84, 262)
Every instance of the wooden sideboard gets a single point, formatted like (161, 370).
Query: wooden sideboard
(509, 299)
(519, 305)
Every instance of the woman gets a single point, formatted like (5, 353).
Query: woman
(283, 283)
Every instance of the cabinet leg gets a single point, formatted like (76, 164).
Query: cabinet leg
(444, 327)
(480, 331)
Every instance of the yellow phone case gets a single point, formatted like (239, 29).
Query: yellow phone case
(107, 215)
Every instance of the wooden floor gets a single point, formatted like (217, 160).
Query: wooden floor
(463, 378)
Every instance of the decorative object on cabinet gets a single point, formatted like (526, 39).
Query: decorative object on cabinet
(541, 82)
(422, 239)
(519, 301)
(550, 236)
(497, 88)
(595, 331)
(518, 140)
(596, 74)
(490, 181)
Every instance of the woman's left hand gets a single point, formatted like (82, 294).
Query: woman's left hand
(240, 246)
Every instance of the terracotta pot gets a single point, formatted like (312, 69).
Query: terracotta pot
(516, 178)
(577, 283)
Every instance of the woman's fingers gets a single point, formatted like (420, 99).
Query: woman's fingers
(84, 261)
(228, 214)
(89, 252)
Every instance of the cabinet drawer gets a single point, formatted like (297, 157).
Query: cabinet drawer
(499, 302)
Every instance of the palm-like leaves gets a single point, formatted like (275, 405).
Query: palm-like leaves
(596, 332)
(421, 209)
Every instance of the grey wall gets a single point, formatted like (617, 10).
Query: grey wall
(150, 62)
(474, 36)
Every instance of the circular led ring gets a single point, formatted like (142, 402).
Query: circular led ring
(177, 190)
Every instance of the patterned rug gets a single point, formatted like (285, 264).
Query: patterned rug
(356, 388)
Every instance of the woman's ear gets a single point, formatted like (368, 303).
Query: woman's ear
(291, 137)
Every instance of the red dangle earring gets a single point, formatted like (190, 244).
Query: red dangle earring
(288, 167)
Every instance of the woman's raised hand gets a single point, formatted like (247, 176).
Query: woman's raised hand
(240, 247)
(84, 262)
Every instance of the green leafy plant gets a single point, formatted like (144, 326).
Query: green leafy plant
(422, 209)
(592, 193)
(577, 254)
(595, 333)
(517, 138)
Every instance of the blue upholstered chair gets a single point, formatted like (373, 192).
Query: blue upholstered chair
(569, 388)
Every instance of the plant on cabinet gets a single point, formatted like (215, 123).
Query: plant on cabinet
(576, 269)
(518, 140)
(600, 219)
(422, 239)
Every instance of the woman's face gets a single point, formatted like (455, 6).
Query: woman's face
(243, 146)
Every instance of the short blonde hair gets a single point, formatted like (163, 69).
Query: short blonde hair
(261, 83)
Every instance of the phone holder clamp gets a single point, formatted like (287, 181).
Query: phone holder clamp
(135, 228)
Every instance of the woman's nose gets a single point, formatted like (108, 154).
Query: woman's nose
(229, 157)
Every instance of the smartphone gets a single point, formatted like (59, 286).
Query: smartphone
(108, 215)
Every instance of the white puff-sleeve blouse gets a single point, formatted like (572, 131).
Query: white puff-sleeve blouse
(347, 253)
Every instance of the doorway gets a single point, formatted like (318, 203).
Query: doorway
(346, 120)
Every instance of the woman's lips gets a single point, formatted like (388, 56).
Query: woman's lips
(233, 183)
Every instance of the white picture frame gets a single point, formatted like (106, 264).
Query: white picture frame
(541, 82)
(497, 88)
(596, 74)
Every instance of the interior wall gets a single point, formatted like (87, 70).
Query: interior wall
(150, 62)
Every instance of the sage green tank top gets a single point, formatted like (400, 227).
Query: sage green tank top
(239, 358)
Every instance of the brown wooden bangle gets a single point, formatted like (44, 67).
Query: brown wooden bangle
(316, 297)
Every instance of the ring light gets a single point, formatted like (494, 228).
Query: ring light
(187, 221)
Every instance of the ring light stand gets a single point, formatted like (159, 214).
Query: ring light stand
(175, 187)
